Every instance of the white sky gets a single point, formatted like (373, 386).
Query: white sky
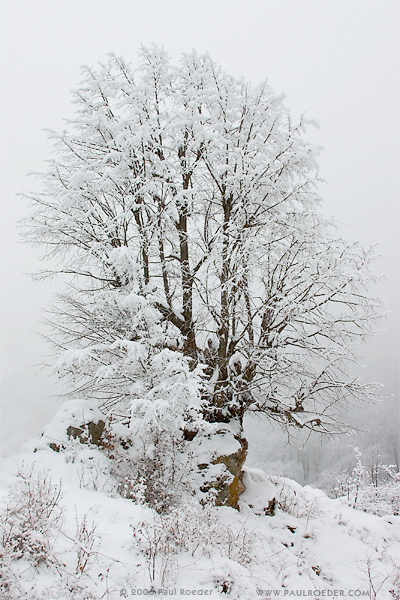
(338, 61)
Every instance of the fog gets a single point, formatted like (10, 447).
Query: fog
(336, 61)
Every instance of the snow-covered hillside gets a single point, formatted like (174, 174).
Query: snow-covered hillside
(68, 533)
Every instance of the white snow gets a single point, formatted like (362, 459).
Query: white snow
(72, 413)
(313, 545)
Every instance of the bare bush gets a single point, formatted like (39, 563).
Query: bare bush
(156, 472)
(380, 495)
(32, 514)
(86, 539)
(380, 576)
(291, 502)
(194, 529)
(30, 518)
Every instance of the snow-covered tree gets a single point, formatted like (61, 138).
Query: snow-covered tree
(184, 204)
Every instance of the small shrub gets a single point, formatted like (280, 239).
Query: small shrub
(32, 513)
(155, 472)
(291, 502)
(379, 496)
(28, 523)
(192, 528)
(86, 539)
(381, 500)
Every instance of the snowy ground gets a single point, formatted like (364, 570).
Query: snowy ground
(92, 543)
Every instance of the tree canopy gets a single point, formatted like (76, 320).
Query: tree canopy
(184, 204)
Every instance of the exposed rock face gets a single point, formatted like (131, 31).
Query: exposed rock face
(80, 419)
(229, 494)
(220, 451)
(89, 433)
(221, 458)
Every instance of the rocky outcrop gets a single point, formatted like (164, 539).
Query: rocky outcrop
(220, 451)
(89, 433)
(221, 456)
(79, 419)
(229, 494)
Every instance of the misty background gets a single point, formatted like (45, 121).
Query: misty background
(337, 61)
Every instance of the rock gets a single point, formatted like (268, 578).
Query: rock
(269, 510)
(89, 433)
(80, 419)
(229, 494)
(221, 456)
(216, 477)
